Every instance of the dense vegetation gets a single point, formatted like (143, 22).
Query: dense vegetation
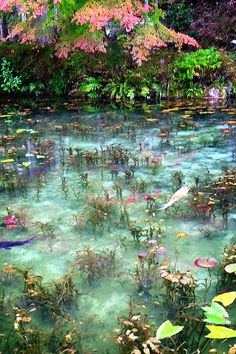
(122, 51)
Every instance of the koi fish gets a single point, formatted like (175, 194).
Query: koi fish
(181, 193)
(9, 244)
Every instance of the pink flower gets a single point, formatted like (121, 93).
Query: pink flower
(148, 197)
(142, 255)
(152, 242)
(206, 262)
(161, 250)
(157, 191)
(10, 220)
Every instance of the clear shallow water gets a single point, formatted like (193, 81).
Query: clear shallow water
(196, 144)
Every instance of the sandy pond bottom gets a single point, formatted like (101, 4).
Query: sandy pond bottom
(158, 143)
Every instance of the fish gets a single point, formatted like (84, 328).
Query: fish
(131, 200)
(181, 234)
(9, 244)
(179, 194)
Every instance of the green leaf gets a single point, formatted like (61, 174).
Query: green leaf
(220, 332)
(20, 131)
(231, 268)
(167, 330)
(5, 115)
(214, 319)
(40, 157)
(216, 310)
(26, 164)
(226, 298)
(32, 131)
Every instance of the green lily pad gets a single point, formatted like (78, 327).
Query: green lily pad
(26, 164)
(214, 319)
(5, 115)
(167, 330)
(215, 309)
(32, 131)
(20, 131)
(231, 268)
(220, 332)
(40, 157)
(216, 314)
(29, 155)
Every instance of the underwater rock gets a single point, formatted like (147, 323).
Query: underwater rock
(217, 93)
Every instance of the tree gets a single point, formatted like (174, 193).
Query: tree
(90, 25)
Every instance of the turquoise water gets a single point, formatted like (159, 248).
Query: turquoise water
(136, 150)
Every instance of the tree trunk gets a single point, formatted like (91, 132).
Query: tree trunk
(3, 28)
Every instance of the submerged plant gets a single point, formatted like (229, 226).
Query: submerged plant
(95, 265)
(177, 180)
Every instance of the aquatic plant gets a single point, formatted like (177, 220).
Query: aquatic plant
(50, 300)
(95, 265)
(226, 279)
(138, 186)
(99, 212)
(155, 229)
(84, 179)
(135, 334)
(179, 288)
(25, 336)
(47, 229)
(177, 180)
(64, 187)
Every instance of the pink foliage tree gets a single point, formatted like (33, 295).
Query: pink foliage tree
(139, 33)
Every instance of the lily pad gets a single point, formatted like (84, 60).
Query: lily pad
(29, 155)
(26, 164)
(214, 319)
(5, 115)
(8, 161)
(226, 299)
(231, 268)
(40, 157)
(20, 131)
(167, 330)
(216, 314)
(220, 332)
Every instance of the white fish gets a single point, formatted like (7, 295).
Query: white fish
(179, 194)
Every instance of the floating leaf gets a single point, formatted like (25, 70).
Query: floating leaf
(167, 330)
(5, 115)
(26, 164)
(226, 299)
(216, 310)
(29, 155)
(40, 157)
(20, 131)
(8, 161)
(214, 319)
(231, 268)
(32, 131)
(220, 332)
(185, 116)
(151, 119)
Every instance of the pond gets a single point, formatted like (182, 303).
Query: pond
(89, 187)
